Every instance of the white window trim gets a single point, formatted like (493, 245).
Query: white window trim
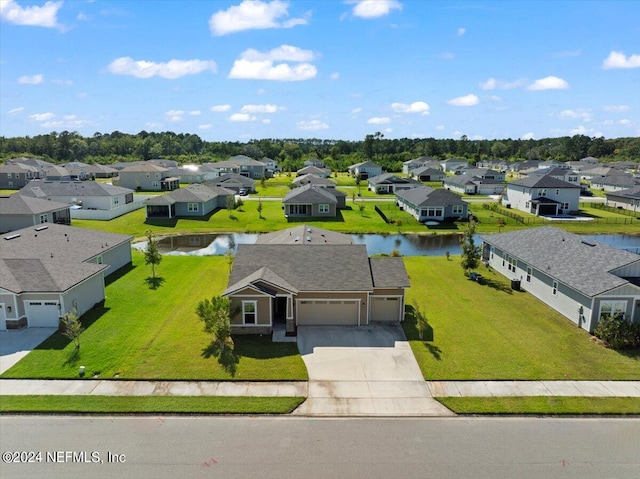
(255, 313)
(192, 207)
(554, 290)
(323, 208)
(529, 271)
(614, 303)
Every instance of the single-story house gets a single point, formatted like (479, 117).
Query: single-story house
(50, 269)
(588, 174)
(234, 182)
(429, 204)
(194, 173)
(313, 180)
(315, 171)
(410, 165)
(616, 182)
(313, 162)
(628, 199)
(147, 176)
(365, 170)
(313, 201)
(193, 200)
(452, 164)
(40, 165)
(542, 196)
(424, 173)
(469, 184)
(17, 212)
(58, 173)
(90, 171)
(304, 234)
(581, 279)
(16, 175)
(271, 284)
(389, 183)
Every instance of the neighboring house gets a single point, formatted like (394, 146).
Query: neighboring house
(563, 174)
(314, 180)
(581, 279)
(194, 173)
(270, 165)
(389, 183)
(76, 172)
(193, 200)
(15, 176)
(553, 164)
(88, 199)
(590, 160)
(451, 164)
(304, 234)
(57, 173)
(17, 212)
(365, 170)
(518, 166)
(313, 162)
(424, 173)
(628, 199)
(410, 165)
(429, 204)
(311, 201)
(476, 181)
(147, 177)
(48, 270)
(542, 196)
(233, 182)
(40, 165)
(98, 171)
(497, 165)
(163, 163)
(615, 182)
(485, 174)
(271, 285)
(599, 171)
(244, 166)
(314, 170)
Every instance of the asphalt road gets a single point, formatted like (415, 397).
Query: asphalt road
(269, 447)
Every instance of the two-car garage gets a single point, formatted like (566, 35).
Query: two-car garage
(328, 312)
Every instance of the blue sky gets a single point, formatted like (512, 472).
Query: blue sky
(237, 70)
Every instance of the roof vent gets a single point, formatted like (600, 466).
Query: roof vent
(296, 239)
(10, 237)
(308, 239)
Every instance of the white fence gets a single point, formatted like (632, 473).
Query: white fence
(88, 214)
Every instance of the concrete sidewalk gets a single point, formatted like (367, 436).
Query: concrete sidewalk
(534, 388)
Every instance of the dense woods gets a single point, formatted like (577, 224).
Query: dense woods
(113, 147)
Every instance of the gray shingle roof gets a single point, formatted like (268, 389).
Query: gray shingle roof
(321, 268)
(631, 193)
(544, 181)
(231, 178)
(426, 170)
(389, 273)
(582, 265)
(191, 194)
(17, 204)
(310, 194)
(390, 179)
(301, 235)
(313, 170)
(427, 196)
(39, 275)
(314, 180)
(42, 189)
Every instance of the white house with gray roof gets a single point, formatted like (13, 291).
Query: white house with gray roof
(313, 201)
(390, 183)
(365, 170)
(628, 199)
(50, 269)
(147, 176)
(191, 201)
(581, 279)
(542, 196)
(17, 212)
(16, 175)
(429, 204)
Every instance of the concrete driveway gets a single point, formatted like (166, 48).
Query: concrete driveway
(363, 371)
(16, 344)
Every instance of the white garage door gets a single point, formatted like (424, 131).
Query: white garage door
(385, 309)
(328, 313)
(42, 314)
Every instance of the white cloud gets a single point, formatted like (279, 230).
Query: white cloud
(620, 60)
(312, 125)
(266, 121)
(440, 127)
(624, 121)
(549, 83)
(174, 115)
(467, 100)
(35, 16)
(493, 84)
(261, 108)
(583, 114)
(607, 122)
(334, 76)
(461, 31)
(42, 116)
(255, 65)
(16, 110)
(170, 70)
(355, 111)
(31, 80)
(415, 107)
(242, 117)
(616, 108)
(205, 126)
(253, 15)
(195, 112)
(220, 108)
(374, 8)
(376, 120)
(581, 130)
(528, 136)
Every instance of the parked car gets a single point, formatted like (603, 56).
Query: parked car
(243, 192)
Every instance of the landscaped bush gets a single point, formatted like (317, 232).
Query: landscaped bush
(617, 332)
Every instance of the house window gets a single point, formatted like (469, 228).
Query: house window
(528, 274)
(192, 207)
(44, 218)
(155, 184)
(526, 204)
(116, 200)
(565, 206)
(457, 209)
(542, 192)
(249, 312)
(512, 265)
(557, 191)
(158, 175)
(323, 208)
(9, 175)
(555, 288)
(99, 259)
(612, 308)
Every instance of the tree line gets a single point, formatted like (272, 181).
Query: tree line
(108, 148)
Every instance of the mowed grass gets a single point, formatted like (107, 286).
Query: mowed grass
(543, 405)
(144, 333)
(487, 331)
(148, 404)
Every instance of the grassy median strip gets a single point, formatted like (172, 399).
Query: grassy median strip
(149, 404)
(545, 405)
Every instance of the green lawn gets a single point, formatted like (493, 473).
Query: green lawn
(149, 404)
(543, 405)
(488, 331)
(155, 334)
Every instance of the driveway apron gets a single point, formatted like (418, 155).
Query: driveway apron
(363, 371)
